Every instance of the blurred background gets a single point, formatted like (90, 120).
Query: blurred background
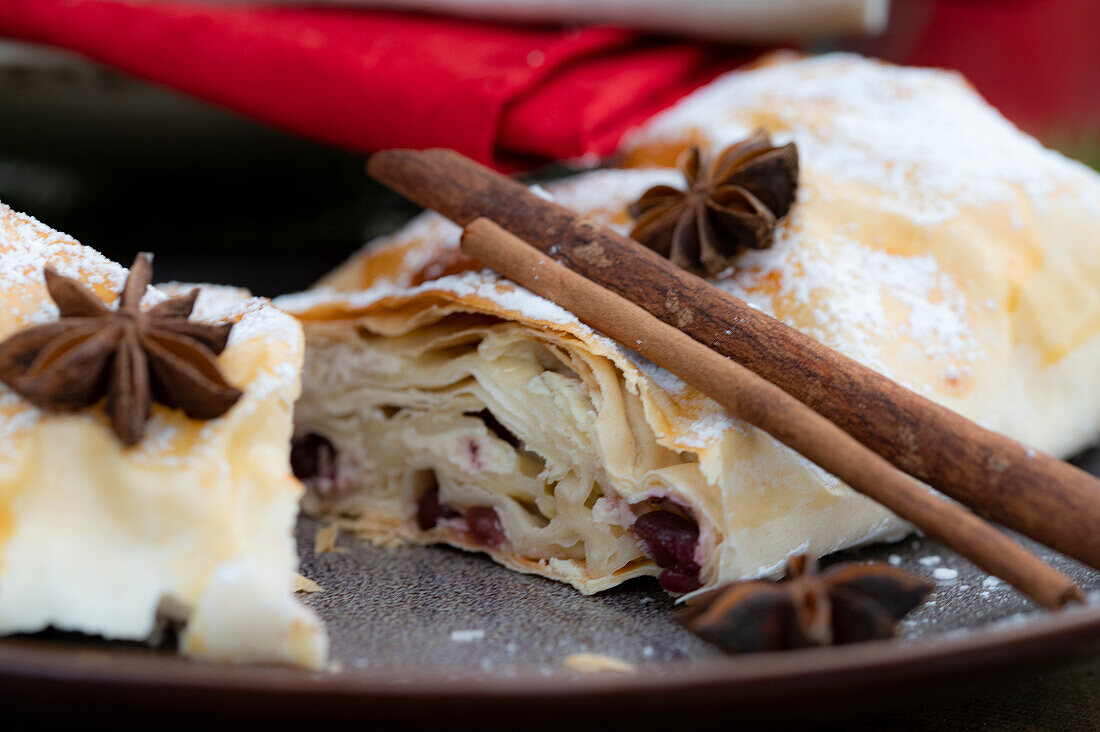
(128, 152)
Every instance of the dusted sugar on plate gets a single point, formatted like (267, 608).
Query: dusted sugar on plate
(144, 474)
(928, 239)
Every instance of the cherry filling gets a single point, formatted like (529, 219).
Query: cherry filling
(429, 510)
(313, 457)
(670, 540)
(484, 524)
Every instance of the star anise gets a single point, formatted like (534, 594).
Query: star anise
(732, 203)
(847, 604)
(129, 355)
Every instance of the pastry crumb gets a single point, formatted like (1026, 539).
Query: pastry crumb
(596, 663)
(325, 541)
(306, 585)
(388, 540)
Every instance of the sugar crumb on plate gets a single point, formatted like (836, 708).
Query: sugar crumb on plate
(305, 584)
(325, 541)
(596, 663)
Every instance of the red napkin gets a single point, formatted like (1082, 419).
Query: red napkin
(370, 80)
(513, 95)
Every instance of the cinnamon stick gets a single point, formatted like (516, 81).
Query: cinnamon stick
(761, 403)
(1026, 490)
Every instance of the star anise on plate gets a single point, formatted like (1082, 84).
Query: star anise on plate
(129, 355)
(846, 604)
(732, 202)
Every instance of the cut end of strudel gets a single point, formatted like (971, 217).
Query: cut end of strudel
(931, 240)
(192, 526)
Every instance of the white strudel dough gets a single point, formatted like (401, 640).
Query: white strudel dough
(190, 523)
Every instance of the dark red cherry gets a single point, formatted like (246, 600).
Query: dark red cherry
(484, 524)
(429, 510)
(312, 456)
(670, 541)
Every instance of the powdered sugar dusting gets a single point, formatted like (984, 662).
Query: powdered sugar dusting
(915, 144)
(480, 284)
(253, 317)
(921, 137)
(663, 378)
(27, 246)
(836, 289)
(428, 226)
(603, 195)
(843, 288)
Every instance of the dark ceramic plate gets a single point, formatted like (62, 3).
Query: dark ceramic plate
(436, 633)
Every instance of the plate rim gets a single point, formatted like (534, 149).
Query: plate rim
(43, 665)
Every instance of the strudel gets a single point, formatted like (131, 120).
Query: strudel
(929, 239)
(118, 516)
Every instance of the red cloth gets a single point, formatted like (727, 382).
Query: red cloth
(370, 80)
(510, 95)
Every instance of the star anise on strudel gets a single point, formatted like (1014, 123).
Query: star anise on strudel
(129, 355)
(733, 202)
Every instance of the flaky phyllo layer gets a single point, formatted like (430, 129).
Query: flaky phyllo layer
(544, 445)
(471, 415)
(930, 240)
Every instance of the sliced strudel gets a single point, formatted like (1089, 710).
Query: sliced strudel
(929, 240)
(118, 514)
